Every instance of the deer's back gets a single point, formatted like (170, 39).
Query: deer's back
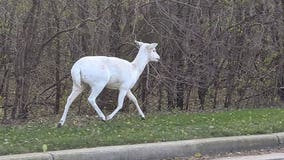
(100, 69)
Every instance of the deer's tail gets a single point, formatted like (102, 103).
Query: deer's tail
(76, 76)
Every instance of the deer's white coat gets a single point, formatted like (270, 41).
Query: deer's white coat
(111, 72)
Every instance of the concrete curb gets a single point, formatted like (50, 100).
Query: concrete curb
(161, 150)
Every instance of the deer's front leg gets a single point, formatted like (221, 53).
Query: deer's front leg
(134, 100)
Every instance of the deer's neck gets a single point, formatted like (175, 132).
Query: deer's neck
(140, 62)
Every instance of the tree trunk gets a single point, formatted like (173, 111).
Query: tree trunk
(5, 95)
(170, 99)
(25, 62)
(202, 92)
(234, 58)
(280, 69)
(114, 37)
(187, 107)
(160, 97)
(57, 73)
(144, 89)
(84, 34)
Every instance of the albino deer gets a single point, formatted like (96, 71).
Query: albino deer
(111, 72)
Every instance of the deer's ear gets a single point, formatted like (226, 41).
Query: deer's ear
(138, 43)
(154, 45)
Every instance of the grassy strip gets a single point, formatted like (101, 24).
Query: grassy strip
(31, 137)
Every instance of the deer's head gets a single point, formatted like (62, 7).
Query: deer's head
(149, 50)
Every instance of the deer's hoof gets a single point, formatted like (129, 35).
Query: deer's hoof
(143, 118)
(108, 118)
(59, 125)
(103, 119)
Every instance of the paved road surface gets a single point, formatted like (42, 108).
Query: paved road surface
(270, 156)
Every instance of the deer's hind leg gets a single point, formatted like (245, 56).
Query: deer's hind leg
(95, 91)
(76, 90)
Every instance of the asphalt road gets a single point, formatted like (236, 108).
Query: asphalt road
(262, 154)
(270, 156)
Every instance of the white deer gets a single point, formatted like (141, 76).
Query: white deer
(111, 72)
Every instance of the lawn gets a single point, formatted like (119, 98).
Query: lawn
(81, 132)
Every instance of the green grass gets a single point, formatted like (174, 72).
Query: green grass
(81, 132)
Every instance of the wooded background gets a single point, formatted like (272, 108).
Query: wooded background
(215, 54)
